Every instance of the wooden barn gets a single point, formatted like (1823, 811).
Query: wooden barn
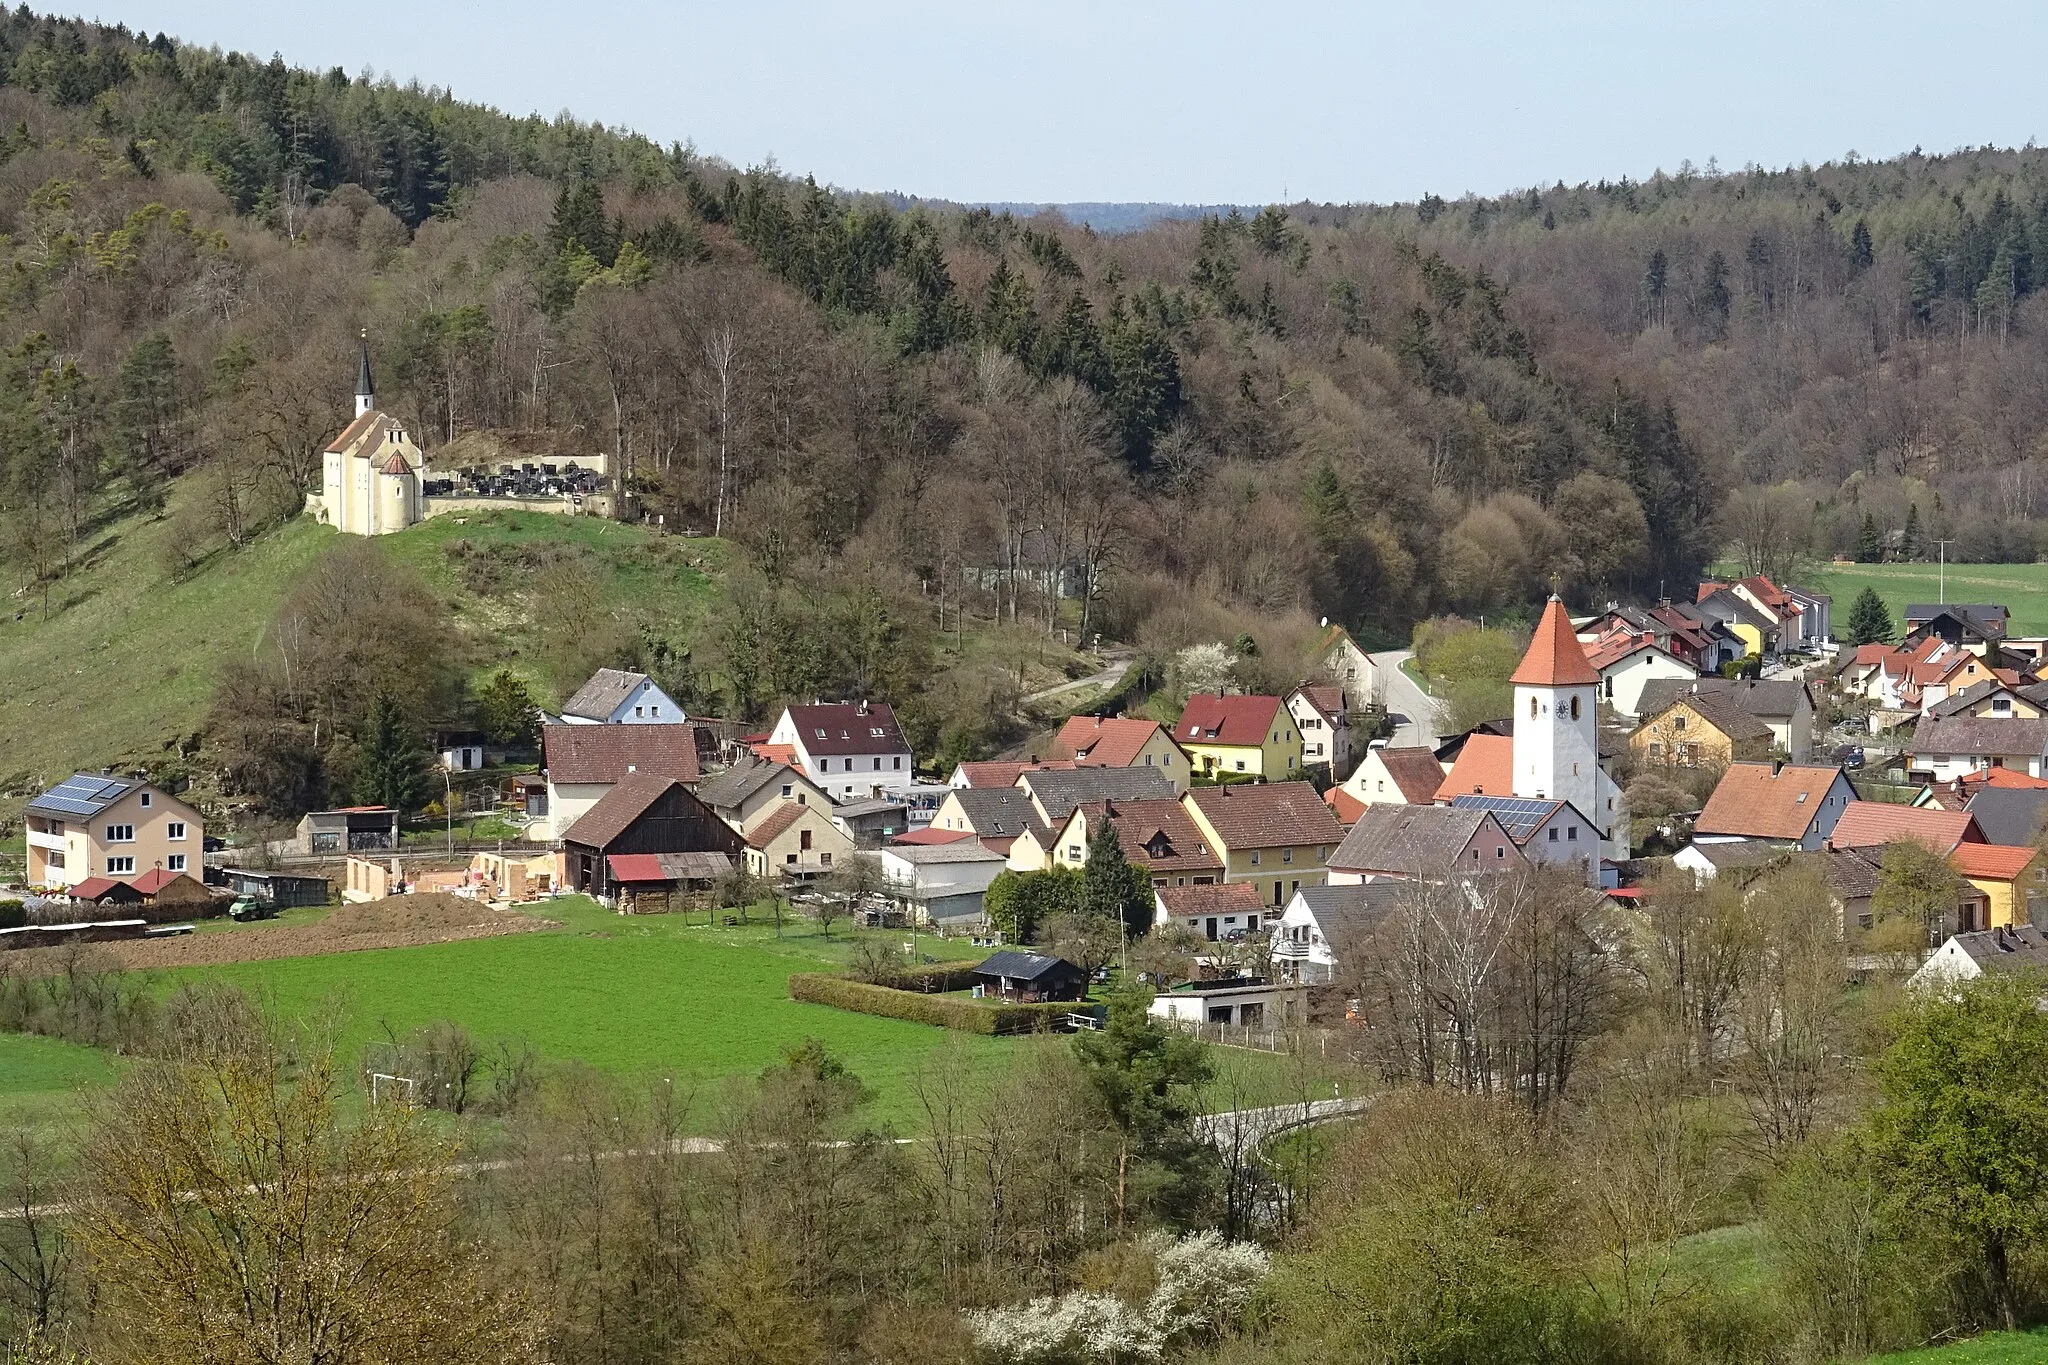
(642, 813)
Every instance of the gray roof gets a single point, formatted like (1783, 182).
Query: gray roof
(1521, 816)
(1765, 698)
(1967, 698)
(82, 796)
(1981, 736)
(1353, 909)
(1060, 790)
(1740, 853)
(602, 695)
(2010, 816)
(1852, 872)
(959, 851)
(1415, 840)
(874, 805)
(1000, 812)
(731, 788)
(2014, 949)
(1024, 966)
(1987, 619)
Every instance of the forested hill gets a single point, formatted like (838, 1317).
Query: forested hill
(907, 420)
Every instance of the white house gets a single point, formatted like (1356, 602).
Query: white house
(1348, 666)
(1625, 664)
(1965, 957)
(850, 749)
(1245, 1001)
(1550, 832)
(583, 763)
(614, 696)
(1318, 919)
(1318, 711)
(938, 882)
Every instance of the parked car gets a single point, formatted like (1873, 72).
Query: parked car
(1850, 755)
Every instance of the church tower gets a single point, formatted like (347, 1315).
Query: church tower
(366, 388)
(1557, 752)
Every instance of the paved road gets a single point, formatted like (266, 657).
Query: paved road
(1115, 664)
(1247, 1128)
(1414, 713)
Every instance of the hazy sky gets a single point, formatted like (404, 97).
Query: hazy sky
(1194, 101)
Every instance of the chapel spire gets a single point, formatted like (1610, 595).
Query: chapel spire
(366, 388)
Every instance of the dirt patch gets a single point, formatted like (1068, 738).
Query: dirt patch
(394, 922)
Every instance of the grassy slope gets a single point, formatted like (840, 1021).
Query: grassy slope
(1994, 1348)
(40, 1078)
(2021, 587)
(125, 666)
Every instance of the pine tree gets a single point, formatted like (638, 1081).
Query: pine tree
(394, 769)
(1870, 623)
(1869, 545)
(1861, 252)
(1328, 506)
(1909, 539)
(1111, 887)
(506, 710)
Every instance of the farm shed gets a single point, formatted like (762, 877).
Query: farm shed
(282, 889)
(642, 813)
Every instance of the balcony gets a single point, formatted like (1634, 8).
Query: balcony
(53, 842)
(1291, 951)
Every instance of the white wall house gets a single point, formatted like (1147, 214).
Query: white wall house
(615, 696)
(851, 750)
(1623, 675)
(938, 882)
(1318, 711)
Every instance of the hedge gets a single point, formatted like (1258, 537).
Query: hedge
(942, 1011)
(934, 977)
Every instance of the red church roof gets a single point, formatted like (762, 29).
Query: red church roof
(1555, 657)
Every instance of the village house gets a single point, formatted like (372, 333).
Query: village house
(1968, 956)
(1706, 730)
(1318, 711)
(1122, 742)
(1681, 630)
(1406, 775)
(1349, 667)
(583, 763)
(1001, 772)
(1873, 824)
(2011, 877)
(1991, 698)
(1240, 736)
(2016, 816)
(872, 822)
(1756, 630)
(643, 812)
(350, 829)
(752, 790)
(614, 696)
(1053, 795)
(1246, 1001)
(1628, 663)
(796, 841)
(1784, 706)
(938, 884)
(1275, 835)
(1423, 843)
(997, 816)
(1944, 748)
(1802, 617)
(1549, 832)
(1977, 627)
(1221, 912)
(1319, 920)
(1485, 766)
(1776, 803)
(1158, 835)
(370, 473)
(849, 749)
(118, 828)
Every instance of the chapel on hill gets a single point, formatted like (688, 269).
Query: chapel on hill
(370, 477)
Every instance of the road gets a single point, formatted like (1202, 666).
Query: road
(1111, 674)
(1414, 713)
(1244, 1129)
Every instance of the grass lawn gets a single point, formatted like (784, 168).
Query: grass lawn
(40, 1076)
(2021, 587)
(634, 996)
(1993, 1348)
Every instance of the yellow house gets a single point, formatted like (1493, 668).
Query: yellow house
(1240, 737)
(1701, 730)
(121, 828)
(1278, 835)
(2012, 879)
(797, 842)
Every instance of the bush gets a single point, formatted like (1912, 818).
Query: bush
(940, 1011)
(12, 915)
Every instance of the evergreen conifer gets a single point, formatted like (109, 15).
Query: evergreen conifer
(394, 768)
(1869, 545)
(1870, 623)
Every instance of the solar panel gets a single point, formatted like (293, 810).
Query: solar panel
(1519, 814)
(82, 795)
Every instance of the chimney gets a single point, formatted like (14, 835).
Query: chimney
(1777, 766)
(860, 708)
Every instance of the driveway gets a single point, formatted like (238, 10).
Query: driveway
(1412, 710)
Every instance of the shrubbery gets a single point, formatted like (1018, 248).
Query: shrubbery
(941, 1011)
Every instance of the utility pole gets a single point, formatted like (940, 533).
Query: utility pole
(1941, 572)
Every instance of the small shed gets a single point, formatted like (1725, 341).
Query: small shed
(1248, 1001)
(656, 883)
(350, 829)
(282, 889)
(1030, 978)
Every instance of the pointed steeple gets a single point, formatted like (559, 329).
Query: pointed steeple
(366, 388)
(1555, 657)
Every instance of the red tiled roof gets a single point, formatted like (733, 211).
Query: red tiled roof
(1416, 772)
(844, 727)
(775, 753)
(157, 878)
(778, 822)
(995, 773)
(607, 753)
(1753, 801)
(1114, 742)
(1555, 657)
(2013, 778)
(397, 464)
(1867, 824)
(1343, 805)
(351, 432)
(929, 835)
(1209, 719)
(1992, 862)
(1325, 698)
(1485, 767)
(1162, 823)
(1267, 814)
(1214, 898)
(92, 888)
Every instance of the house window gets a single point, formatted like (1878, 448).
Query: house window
(1532, 706)
(1656, 751)
(175, 863)
(1571, 835)
(1500, 851)
(824, 860)
(1073, 850)
(175, 830)
(1255, 857)
(1148, 760)
(878, 765)
(1240, 765)
(1286, 855)
(145, 800)
(789, 858)
(1252, 923)
(788, 789)
(1553, 834)
(116, 865)
(824, 765)
(120, 834)
(897, 762)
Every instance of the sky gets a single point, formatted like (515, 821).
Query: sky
(1194, 101)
